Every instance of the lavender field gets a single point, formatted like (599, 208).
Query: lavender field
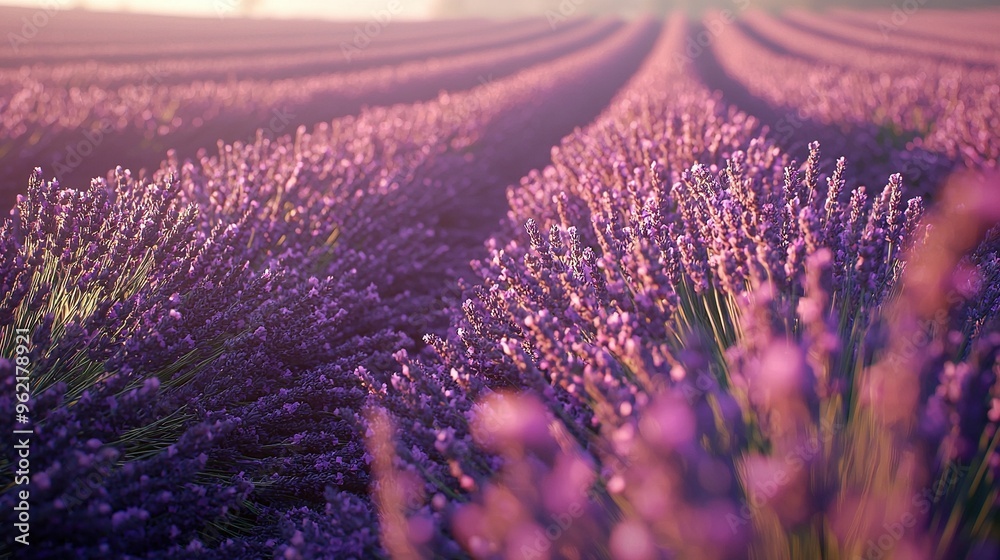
(701, 284)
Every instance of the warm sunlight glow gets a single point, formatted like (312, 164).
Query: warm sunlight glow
(337, 9)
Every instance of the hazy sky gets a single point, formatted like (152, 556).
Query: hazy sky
(337, 9)
(363, 9)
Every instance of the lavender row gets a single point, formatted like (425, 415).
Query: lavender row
(85, 131)
(364, 51)
(961, 27)
(922, 118)
(855, 36)
(952, 119)
(69, 35)
(858, 48)
(158, 110)
(712, 347)
(197, 339)
(437, 404)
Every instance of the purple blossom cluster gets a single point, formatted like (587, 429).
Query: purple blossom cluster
(97, 274)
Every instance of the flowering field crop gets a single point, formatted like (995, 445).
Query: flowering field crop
(714, 287)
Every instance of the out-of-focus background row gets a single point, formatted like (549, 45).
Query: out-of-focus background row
(425, 9)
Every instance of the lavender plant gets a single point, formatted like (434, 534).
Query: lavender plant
(706, 348)
(95, 274)
(295, 260)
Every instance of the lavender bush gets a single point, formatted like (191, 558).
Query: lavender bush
(154, 300)
(720, 359)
